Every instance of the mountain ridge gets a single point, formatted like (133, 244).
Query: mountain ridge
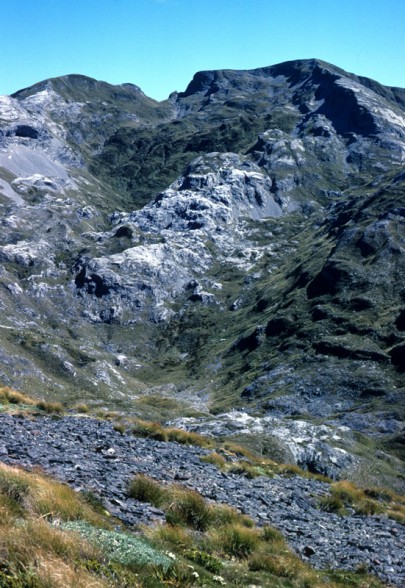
(292, 65)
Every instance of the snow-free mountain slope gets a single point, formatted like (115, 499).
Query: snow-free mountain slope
(238, 246)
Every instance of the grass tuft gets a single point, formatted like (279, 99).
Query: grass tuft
(222, 514)
(82, 408)
(273, 536)
(283, 566)
(154, 430)
(188, 508)
(345, 495)
(187, 437)
(173, 537)
(235, 540)
(50, 407)
(150, 430)
(10, 396)
(44, 497)
(120, 428)
(245, 468)
(145, 489)
(215, 459)
(332, 503)
(13, 484)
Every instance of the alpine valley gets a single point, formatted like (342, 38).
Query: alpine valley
(229, 261)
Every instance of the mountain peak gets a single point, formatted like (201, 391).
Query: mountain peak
(79, 87)
(205, 81)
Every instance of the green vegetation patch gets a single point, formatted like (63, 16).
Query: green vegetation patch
(368, 501)
(55, 539)
(120, 547)
(153, 430)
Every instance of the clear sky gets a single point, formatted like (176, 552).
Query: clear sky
(160, 44)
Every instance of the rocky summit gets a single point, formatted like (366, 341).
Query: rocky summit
(230, 259)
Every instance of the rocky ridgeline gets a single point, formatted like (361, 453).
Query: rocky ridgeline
(90, 455)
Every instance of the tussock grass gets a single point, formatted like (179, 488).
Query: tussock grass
(188, 508)
(150, 430)
(43, 497)
(222, 531)
(238, 450)
(120, 428)
(59, 574)
(222, 514)
(215, 459)
(184, 507)
(108, 415)
(367, 501)
(173, 537)
(34, 554)
(396, 512)
(154, 430)
(219, 540)
(247, 469)
(248, 464)
(355, 497)
(82, 408)
(10, 396)
(234, 540)
(332, 503)
(50, 537)
(50, 407)
(283, 566)
(188, 438)
(273, 537)
(36, 534)
(13, 484)
(251, 466)
(145, 489)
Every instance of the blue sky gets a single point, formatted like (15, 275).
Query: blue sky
(160, 44)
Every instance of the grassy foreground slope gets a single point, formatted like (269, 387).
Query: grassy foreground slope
(52, 536)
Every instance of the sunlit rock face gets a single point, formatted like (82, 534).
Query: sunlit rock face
(240, 245)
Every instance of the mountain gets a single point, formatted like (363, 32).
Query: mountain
(231, 259)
